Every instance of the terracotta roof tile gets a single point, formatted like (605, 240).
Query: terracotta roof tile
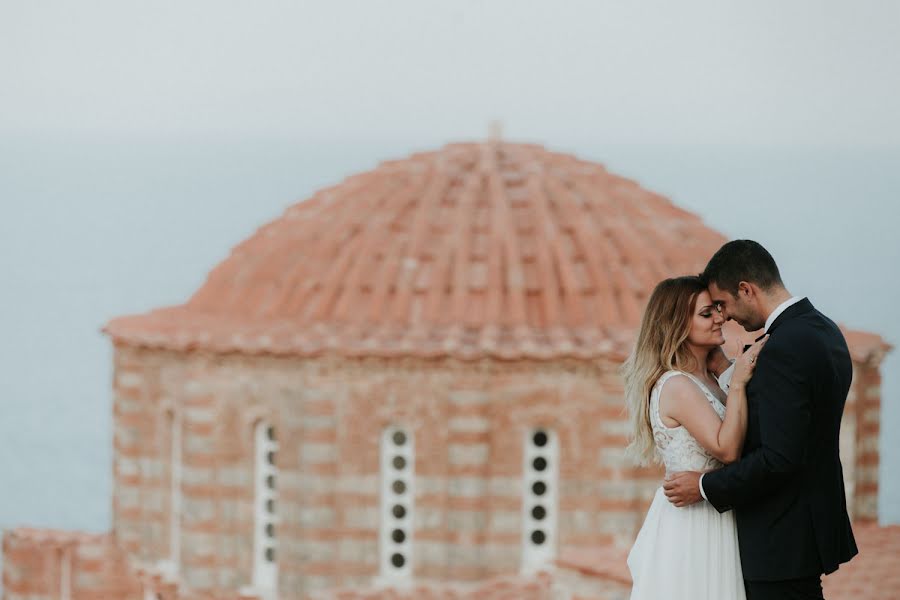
(518, 587)
(866, 347)
(53, 537)
(603, 562)
(474, 250)
(874, 574)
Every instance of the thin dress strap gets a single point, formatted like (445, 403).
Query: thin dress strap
(654, 398)
(700, 384)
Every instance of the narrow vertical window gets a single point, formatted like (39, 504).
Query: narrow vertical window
(65, 574)
(174, 425)
(541, 477)
(397, 470)
(265, 565)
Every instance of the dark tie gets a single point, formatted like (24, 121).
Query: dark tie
(754, 341)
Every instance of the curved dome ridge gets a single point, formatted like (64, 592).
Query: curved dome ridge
(475, 249)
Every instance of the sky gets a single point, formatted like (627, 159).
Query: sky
(805, 72)
(139, 141)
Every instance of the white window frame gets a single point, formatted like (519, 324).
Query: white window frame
(537, 556)
(265, 571)
(65, 573)
(175, 467)
(389, 546)
(171, 564)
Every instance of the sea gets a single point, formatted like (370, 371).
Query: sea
(94, 227)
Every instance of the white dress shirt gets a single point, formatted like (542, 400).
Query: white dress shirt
(725, 377)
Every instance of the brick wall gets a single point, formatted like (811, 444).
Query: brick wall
(216, 489)
(140, 459)
(468, 420)
(50, 565)
(859, 443)
(31, 570)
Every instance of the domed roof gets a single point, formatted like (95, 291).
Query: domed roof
(476, 249)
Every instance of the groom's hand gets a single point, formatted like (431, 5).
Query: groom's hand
(683, 489)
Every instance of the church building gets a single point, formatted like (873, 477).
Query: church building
(407, 386)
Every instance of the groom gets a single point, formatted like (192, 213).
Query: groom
(787, 490)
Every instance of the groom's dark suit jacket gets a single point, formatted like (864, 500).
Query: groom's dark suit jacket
(787, 490)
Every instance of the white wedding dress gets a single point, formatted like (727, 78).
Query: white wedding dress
(688, 553)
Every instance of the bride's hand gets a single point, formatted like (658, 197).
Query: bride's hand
(746, 363)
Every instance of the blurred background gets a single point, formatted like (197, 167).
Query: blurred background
(140, 141)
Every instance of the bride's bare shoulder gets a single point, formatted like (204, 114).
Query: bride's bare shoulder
(678, 385)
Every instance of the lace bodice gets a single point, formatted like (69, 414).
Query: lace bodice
(678, 448)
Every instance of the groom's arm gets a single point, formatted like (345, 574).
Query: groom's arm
(782, 395)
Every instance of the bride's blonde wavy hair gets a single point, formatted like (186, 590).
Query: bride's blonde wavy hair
(660, 347)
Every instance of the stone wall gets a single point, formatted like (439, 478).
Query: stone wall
(55, 565)
(860, 432)
(468, 420)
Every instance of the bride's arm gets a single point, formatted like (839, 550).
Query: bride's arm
(682, 401)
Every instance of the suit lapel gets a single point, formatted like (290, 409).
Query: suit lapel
(790, 312)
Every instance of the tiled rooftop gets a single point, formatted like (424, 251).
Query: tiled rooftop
(480, 249)
(874, 574)
(602, 562)
(512, 587)
(53, 537)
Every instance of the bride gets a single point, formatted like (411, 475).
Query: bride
(680, 417)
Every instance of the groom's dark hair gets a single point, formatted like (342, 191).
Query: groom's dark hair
(742, 260)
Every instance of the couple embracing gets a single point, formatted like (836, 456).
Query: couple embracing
(753, 506)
